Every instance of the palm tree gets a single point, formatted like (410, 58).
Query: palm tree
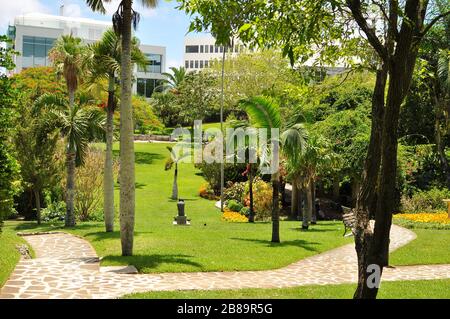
(173, 80)
(105, 64)
(294, 141)
(123, 19)
(78, 126)
(264, 112)
(171, 160)
(69, 57)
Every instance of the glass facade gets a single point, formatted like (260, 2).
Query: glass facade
(192, 49)
(35, 51)
(145, 87)
(154, 64)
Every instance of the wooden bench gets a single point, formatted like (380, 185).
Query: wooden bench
(348, 218)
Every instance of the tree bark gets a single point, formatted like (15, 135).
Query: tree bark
(309, 207)
(70, 189)
(251, 216)
(108, 177)
(364, 206)
(294, 199)
(127, 157)
(299, 201)
(175, 184)
(275, 209)
(313, 201)
(37, 198)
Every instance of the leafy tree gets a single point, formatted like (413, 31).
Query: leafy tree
(9, 168)
(78, 126)
(105, 64)
(172, 160)
(35, 144)
(39, 80)
(173, 80)
(123, 19)
(390, 45)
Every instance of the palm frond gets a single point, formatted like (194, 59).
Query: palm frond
(263, 112)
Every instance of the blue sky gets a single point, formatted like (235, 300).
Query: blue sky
(164, 25)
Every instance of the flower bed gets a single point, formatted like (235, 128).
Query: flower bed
(234, 217)
(438, 220)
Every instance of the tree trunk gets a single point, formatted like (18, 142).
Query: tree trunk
(294, 199)
(313, 202)
(127, 178)
(275, 209)
(71, 98)
(355, 190)
(70, 188)
(37, 198)
(251, 216)
(175, 184)
(364, 206)
(309, 207)
(299, 201)
(108, 177)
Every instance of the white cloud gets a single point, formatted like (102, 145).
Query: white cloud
(10, 9)
(72, 10)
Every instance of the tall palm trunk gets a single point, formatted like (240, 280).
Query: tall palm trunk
(108, 177)
(127, 178)
(70, 187)
(294, 198)
(175, 183)
(251, 216)
(275, 209)
(309, 206)
(313, 202)
(37, 198)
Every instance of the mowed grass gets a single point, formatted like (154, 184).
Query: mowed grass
(422, 289)
(9, 254)
(430, 247)
(209, 244)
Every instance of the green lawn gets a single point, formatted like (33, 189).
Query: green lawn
(422, 289)
(430, 247)
(9, 255)
(209, 244)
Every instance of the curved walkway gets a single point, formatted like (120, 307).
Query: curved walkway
(67, 267)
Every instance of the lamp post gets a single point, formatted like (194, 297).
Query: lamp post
(222, 167)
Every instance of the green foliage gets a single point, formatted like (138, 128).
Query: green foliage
(426, 200)
(235, 192)
(235, 206)
(167, 109)
(9, 168)
(55, 211)
(145, 120)
(39, 80)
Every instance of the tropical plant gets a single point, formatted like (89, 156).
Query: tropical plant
(173, 80)
(123, 19)
(78, 126)
(105, 64)
(172, 160)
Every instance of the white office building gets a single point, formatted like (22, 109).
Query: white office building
(34, 35)
(199, 51)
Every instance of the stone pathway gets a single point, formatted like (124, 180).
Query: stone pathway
(68, 267)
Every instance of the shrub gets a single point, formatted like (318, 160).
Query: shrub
(55, 211)
(235, 192)
(245, 211)
(437, 220)
(234, 205)
(430, 200)
(88, 203)
(262, 199)
(211, 173)
(206, 192)
(230, 216)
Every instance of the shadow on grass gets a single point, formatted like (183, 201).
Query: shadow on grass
(296, 242)
(142, 157)
(313, 230)
(152, 261)
(58, 226)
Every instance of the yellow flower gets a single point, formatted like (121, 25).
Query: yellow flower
(440, 218)
(234, 217)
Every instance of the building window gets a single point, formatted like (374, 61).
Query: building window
(216, 49)
(211, 49)
(206, 48)
(206, 63)
(192, 49)
(154, 63)
(146, 87)
(196, 64)
(201, 64)
(35, 51)
(186, 64)
(221, 49)
(201, 49)
(191, 64)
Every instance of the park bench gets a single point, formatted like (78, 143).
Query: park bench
(348, 218)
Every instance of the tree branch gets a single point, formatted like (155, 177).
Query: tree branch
(355, 8)
(433, 22)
